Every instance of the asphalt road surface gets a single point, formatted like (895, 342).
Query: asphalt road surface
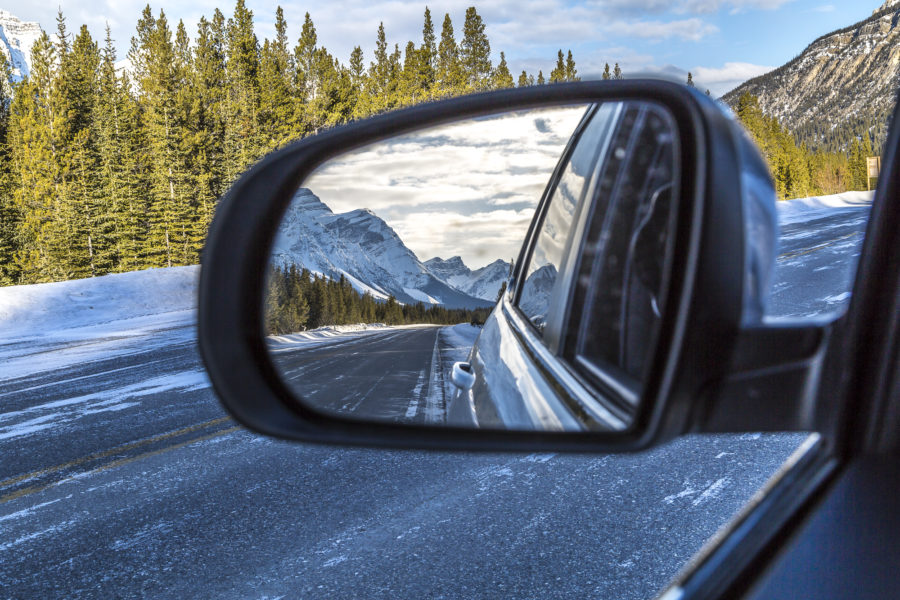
(384, 376)
(123, 477)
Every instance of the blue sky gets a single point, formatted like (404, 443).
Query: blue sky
(723, 42)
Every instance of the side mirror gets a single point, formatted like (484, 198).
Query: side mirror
(641, 225)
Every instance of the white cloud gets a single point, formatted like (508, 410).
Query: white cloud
(686, 29)
(721, 80)
(466, 189)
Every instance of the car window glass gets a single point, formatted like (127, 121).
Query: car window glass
(620, 277)
(543, 273)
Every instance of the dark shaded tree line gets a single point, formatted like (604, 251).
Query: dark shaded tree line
(104, 170)
(799, 171)
(297, 300)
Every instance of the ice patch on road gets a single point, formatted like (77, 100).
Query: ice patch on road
(712, 491)
(836, 298)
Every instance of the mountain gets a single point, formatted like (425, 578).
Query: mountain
(482, 283)
(841, 84)
(16, 39)
(363, 248)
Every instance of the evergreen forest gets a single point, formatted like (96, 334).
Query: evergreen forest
(297, 300)
(799, 171)
(106, 170)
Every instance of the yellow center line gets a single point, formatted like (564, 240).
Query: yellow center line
(819, 247)
(116, 463)
(105, 453)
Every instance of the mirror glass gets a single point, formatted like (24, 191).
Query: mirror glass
(381, 302)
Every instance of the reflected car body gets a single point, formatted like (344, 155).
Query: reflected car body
(567, 346)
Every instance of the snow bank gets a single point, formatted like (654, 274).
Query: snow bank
(457, 342)
(806, 209)
(47, 307)
(321, 335)
(49, 326)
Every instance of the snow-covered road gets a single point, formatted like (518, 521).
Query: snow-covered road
(123, 477)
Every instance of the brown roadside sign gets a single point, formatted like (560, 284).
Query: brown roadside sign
(874, 166)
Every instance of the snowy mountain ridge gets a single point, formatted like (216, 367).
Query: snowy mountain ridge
(16, 39)
(365, 250)
(482, 283)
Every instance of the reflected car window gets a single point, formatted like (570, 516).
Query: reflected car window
(543, 281)
(623, 261)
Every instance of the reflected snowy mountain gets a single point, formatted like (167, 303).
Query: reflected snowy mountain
(364, 249)
(481, 283)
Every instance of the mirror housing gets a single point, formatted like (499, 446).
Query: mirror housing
(698, 348)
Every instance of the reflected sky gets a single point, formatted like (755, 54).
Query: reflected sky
(466, 189)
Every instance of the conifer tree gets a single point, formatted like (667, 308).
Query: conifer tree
(523, 79)
(9, 214)
(380, 75)
(571, 71)
(475, 52)
(428, 56)
(502, 77)
(617, 72)
(558, 74)
(449, 71)
(242, 135)
(540, 78)
(606, 73)
(690, 80)
(276, 98)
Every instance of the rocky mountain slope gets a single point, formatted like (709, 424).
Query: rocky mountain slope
(843, 83)
(482, 283)
(364, 249)
(16, 39)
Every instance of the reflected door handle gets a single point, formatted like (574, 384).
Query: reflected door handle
(462, 376)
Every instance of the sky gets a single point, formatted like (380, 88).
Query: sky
(722, 42)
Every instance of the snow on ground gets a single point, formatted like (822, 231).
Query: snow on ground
(87, 319)
(322, 335)
(807, 209)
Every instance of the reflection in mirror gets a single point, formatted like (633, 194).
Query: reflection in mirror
(390, 259)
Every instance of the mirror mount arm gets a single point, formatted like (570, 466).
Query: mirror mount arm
(772, 382)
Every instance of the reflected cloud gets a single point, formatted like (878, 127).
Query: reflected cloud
(467, 189)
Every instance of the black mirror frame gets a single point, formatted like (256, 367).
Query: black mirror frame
(699, 332)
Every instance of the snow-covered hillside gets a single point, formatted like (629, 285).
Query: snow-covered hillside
(16, 39)
(363, 248)
(482, 283)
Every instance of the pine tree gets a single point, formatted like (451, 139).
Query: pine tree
(276, 97)
(242, 136)
(523, 79)
(358, 84)
(9, 214)
(690, 80)
(450, 79)
(617, 72)
(571, 71)
(210, 115)
(540, 78)
(502, 78)
(475, 52)
(380, 75)
(428, 56)
(307, 83)
(606, 73)
(558, 74)
(35, 122)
